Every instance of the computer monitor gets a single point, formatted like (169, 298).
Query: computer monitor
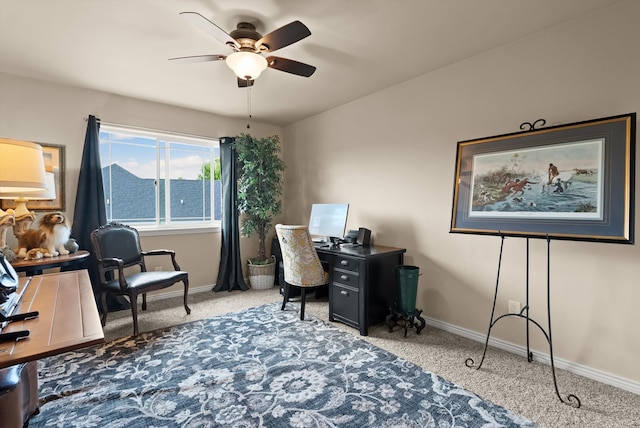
(328, 221)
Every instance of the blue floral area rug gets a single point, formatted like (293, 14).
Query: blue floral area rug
(258, 368)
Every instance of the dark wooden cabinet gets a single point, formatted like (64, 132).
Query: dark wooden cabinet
(362, 283)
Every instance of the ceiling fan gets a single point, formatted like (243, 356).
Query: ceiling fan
(248, 45)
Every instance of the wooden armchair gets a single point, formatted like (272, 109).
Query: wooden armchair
(117, 247)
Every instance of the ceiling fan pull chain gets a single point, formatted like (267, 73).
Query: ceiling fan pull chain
(249, 105)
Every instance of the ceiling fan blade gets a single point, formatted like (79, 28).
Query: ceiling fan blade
(199, 58)
(210, 28)
(243, 83)
(284, 36)
(290, 66)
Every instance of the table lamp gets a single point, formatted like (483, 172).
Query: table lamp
(22, 173)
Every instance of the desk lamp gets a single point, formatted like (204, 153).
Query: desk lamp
(22, 173)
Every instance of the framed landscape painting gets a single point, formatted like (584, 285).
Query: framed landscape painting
(573, 181)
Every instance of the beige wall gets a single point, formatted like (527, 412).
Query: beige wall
(391, 156)
(46, 113)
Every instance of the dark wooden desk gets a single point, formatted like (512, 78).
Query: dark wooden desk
(68, 318)
(35, 267)
(362, 284)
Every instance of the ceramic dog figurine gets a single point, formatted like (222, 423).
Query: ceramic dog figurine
(52, 233)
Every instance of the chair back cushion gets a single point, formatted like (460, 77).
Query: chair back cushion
(117, 240)
(302, 266)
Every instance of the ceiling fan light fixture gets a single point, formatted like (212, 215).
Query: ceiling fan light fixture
(246, 65)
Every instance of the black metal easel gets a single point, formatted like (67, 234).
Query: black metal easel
(571, 399)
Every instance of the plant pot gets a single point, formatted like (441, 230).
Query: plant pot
(262, 277)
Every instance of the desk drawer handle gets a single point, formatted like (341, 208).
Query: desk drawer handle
(344, 277)
(344, 293)
(344, 262)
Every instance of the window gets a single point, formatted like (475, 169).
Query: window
(154, 180)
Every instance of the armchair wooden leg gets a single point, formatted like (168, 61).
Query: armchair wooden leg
(105, 308)
(134, 312)
(144, 301)
(286, 295)
(303, 298)
(186, 293)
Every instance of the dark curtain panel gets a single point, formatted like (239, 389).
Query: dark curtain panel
(230, 272)
(89, 211)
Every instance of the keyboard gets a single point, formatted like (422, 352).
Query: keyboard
(349, 245)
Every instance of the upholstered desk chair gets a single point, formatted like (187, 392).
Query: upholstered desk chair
(117, 247)
(302, 267)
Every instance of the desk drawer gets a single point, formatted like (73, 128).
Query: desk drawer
(347, 263)
(345, 303)
(345, 277)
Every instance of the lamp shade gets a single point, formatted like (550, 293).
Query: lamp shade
(246, 65)
(21, 167)
(46, 194)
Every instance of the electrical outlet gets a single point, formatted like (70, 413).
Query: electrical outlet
(158, 268)
(514, 307)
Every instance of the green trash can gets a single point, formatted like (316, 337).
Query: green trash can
(407, 279)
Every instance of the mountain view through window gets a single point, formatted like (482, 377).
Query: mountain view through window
(158, 180)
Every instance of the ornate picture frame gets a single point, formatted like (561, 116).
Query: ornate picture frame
(54, 156)
(573, 182)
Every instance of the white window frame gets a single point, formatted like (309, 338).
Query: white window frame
(169, 228)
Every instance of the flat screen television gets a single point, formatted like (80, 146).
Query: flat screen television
(328, 221)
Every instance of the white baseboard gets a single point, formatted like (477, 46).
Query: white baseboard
(588, 372)
(570, 366)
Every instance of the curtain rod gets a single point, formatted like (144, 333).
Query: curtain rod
(158, 131)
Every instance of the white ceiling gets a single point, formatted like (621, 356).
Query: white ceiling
(358, 46)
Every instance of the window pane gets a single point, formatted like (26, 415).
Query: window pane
(134, 162)
(190, 192)
(129, 172)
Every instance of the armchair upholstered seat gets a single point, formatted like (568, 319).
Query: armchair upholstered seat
(119, 254)
(302, 266)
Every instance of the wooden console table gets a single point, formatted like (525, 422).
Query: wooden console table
(68, 318)
(35, 267)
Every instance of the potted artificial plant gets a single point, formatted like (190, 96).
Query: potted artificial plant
(259, 190)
